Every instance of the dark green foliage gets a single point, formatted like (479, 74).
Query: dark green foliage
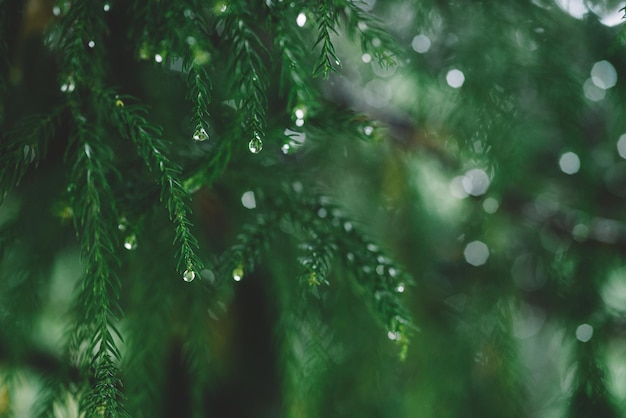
(278, 216)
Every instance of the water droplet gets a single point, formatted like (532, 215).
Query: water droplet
(400, 288)
(347, 226)
(301, 19)
(122, 224)
(119, 102)
(91, 44)
(189, 275)
(455, 78)
(106, 7)
(29, 153)
(69, 85)
(56, 10)
(299, 113)
(200, 135)
(255, 145)
(130, 243)
(393, 335)
(372, 247)
(248, 200)
(238, 273)
(584, 332)
(299, 122)
(322, 212)
(380, 269)
(158, 58)
(285, 148)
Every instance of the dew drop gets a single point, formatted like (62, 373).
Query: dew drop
(69, 85)
(238, 273)
(200, 135)
(393, 335)
(584, 333)
(301, 19)
(106, 7)
(91, 44)
(189, 275)
(119, 102)
(130, 243)
(255, 145)
(400, 288)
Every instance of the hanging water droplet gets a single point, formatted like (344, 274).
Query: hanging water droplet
(200, 134)
(91, 44)
(69, 85)
(255, 145)
(189, 275)
(130, 243)
(400, 288)
(238, 273)
(106, 7)
(393, 335)
(118, 101)
(122, 223)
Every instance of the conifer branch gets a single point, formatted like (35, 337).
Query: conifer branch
(251, 241)
(250, 92)
(316, 261)
(133, 126)
(98, 300)
(24, 146)
(295, 74)
(328, 19)
(93, 344)
(374, 38)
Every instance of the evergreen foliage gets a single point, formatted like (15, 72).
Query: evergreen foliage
(311, 208)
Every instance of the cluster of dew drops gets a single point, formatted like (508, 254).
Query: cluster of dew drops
(255, 145)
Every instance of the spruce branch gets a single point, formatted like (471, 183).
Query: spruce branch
(132, 125)
(25, 145)
(98, 299)
(375, 39)
(251, 241)
(328, 19)
(295, 74)
(252, 80)
(93, 343)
